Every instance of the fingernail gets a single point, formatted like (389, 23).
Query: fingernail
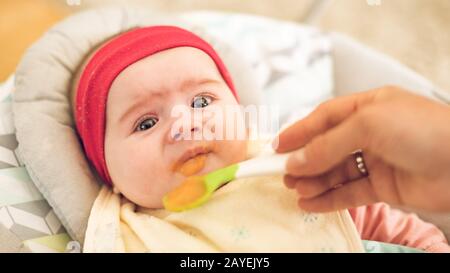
(299, 156)
(275, 143)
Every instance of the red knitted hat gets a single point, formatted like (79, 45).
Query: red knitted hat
(107, 63)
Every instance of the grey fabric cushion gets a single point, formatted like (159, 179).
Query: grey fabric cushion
(11, 243)
(48, 143)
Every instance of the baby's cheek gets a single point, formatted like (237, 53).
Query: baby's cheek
(139, 173)
(144, 166)
(146, 181)
(233, 151)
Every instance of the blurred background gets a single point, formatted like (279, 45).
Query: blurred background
(415, 32)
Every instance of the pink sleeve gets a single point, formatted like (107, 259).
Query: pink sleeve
(379, 222)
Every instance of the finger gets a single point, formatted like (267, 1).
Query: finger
(350, 195)
(310, 187)
(290, 181)
(325, 151)
(326, 116)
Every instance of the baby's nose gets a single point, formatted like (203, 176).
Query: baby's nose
(180, 134)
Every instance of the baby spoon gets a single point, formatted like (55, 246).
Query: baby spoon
(196, 190)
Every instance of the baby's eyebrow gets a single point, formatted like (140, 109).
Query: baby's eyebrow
(185, 85)
(137, 104)
(189, 83)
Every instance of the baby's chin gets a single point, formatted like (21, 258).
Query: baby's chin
(149, 203)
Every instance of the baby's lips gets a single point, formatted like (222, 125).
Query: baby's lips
(192, 166)
(193, 160)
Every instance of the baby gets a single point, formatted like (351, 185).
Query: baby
(138, 96)
(123, 96)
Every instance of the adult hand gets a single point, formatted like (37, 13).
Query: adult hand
(405, 139)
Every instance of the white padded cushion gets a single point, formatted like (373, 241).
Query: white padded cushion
(48, 143)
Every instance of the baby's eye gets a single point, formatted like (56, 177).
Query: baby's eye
(146, 124)
(201, 101)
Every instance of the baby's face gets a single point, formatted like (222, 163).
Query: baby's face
(143, 150)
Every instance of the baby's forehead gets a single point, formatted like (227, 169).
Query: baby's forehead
(175, 60)
(176, 68)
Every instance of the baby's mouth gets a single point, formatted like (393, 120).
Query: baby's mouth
(192, 161)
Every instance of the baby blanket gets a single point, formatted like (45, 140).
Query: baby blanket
(247, 215)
